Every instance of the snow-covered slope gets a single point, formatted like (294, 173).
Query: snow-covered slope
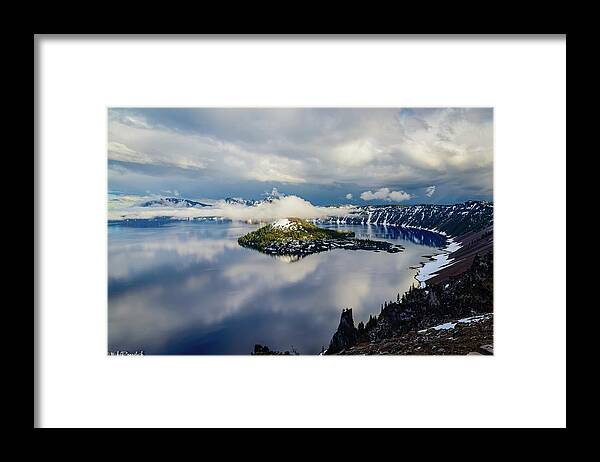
(452, 220)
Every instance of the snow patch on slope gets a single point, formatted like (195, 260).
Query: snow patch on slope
(452, 325)
(284, 223)
(437, 262)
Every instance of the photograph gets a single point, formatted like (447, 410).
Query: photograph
(290, 231)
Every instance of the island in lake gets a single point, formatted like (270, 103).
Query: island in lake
(298, 238)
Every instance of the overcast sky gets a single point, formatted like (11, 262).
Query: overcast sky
(359, 156)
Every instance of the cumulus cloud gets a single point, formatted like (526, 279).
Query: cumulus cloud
(399, 196)
(429, 190)
(283, 207)
(348, 196)
(386, 195)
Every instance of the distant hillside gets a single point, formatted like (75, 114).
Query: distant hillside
(241, 201)
(173, 202)
(452, 220)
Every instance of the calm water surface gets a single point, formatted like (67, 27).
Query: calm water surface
(189, 288)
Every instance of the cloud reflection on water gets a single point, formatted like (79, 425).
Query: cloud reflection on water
(190, 289)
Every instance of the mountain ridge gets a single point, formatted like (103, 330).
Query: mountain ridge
(451, 220)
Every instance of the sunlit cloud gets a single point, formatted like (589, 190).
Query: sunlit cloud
(386, 195)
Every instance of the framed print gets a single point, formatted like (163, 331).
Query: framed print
(267, 231)
(257, 232)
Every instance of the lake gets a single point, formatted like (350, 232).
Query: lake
(188, 288)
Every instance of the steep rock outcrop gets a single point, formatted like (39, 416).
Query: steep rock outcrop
(346, 334)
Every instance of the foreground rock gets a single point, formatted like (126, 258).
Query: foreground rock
(346, 335)
(465, 338)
